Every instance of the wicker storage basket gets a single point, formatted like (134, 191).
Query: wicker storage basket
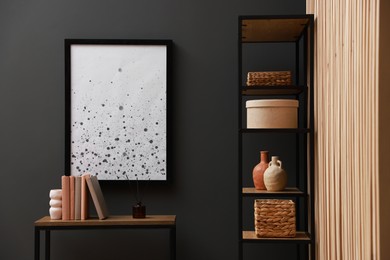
(269, 78)
(275, 218)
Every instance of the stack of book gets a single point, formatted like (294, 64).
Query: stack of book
(75, 197)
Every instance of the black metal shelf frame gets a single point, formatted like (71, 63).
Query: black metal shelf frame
(304, 93)
(272, 90)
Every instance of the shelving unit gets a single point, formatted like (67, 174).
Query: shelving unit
(298, 31)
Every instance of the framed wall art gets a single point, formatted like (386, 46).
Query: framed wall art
(117, 108)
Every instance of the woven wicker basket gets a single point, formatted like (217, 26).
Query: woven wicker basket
(269, 78)
(275, 218)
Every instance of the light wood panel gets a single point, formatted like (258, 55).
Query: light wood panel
(346, 125)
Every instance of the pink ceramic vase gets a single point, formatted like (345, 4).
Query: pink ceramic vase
(258, 171)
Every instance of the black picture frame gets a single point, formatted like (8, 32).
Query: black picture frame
(106, 133)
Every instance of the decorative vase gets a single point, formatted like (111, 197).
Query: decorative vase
(275, 178)
(55, 203)
(258, 171)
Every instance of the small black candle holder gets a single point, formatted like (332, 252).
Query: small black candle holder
(139, 210)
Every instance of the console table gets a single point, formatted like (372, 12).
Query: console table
(112, 222)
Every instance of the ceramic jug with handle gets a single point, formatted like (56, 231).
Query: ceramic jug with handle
(275, 178)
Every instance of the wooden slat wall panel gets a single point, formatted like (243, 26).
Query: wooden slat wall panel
(346, 125)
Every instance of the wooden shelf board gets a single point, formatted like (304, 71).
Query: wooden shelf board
(122, 220)
(250, 236)
(290, 191)
(272, 90)
(275, 130)
(273, 30)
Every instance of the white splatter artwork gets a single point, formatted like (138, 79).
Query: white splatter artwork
(118, 111)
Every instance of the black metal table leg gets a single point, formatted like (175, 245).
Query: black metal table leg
(47, 244)
(126, 222)
(36, 243)
(173, 242)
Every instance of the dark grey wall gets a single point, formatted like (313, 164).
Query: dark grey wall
(204, 190)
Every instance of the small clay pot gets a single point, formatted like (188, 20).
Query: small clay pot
(139, 210)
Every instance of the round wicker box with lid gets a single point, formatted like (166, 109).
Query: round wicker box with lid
(272, 113)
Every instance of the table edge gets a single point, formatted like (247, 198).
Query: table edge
(114, 220)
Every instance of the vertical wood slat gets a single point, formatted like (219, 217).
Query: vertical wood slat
(346, 125)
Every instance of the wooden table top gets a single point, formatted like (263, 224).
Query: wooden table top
(119, 220)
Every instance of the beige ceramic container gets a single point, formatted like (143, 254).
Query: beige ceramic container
(275, 178)
(272, 113)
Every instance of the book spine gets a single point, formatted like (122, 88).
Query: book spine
(72, 196)
(101, 201)
(65, 197)
(97, 197)
(77, 198)
(84, 198)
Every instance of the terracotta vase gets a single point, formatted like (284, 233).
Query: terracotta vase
(275, 178)
(258, 171)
